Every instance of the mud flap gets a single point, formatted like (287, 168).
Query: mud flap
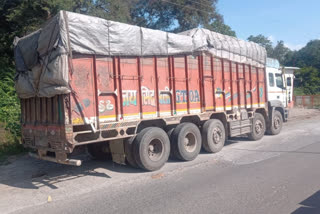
(117, 151)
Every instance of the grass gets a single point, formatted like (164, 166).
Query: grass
(9, 146)
(299, 92)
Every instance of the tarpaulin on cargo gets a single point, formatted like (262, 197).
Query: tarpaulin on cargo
(227, 47)
(42, 57)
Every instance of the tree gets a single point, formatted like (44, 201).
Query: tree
(179, 15)
(219, 26)
(264, 42)
(280, 52)
(307, 56)
(309, 80)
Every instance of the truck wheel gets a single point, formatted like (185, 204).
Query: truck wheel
(169, 131)
(186, 141)
(99, 151)
(276, 126)
(128, 150)
(258, 127)
(213, 135)
(151, 148)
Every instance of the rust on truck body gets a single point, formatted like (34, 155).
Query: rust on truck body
(112, 96)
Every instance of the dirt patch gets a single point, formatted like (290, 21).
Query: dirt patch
(303, 114)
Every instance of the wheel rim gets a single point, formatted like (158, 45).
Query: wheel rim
(217, 135)
(258, 127)
(155, 149)
(190, 142)
(276, 122)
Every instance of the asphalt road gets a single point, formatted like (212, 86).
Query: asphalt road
(278, 174)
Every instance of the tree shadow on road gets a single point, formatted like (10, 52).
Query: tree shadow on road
(30, 173)
(310, 205)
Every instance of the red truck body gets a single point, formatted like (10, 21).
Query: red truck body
(151, 88)
(138, 100)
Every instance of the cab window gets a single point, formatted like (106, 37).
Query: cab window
(288, 81)
(271, 80)
(279, 80)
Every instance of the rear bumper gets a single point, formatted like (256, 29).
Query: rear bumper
(50, 138)
(66, 161)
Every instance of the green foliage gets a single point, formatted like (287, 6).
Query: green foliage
(307, 56)
(9, 114)
(280, 52)
(264, 42)
(220, 27)
(309, 80)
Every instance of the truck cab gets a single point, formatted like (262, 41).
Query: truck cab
(278, 89)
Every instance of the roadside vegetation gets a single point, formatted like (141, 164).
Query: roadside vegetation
(20, 17)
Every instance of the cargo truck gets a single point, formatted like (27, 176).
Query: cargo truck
(138, 95)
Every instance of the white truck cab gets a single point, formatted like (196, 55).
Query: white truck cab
(279, 86)
(276, 88)
(280, 82)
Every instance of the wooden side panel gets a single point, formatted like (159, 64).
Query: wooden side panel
(83, 97)
(227, 84)
(208, 84)
(130, 88)
(180, 79)
(107, 92)
(234, 86)
(218, 82)
(148, 88)
(255, 86)
(248, 84)
(262, 92)
(241, 86)
(165, 88)
(194, 84)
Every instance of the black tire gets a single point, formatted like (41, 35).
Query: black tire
(151, 148)
(258, 127)
(276, 124)
(169, 133)
(186, 141)
(99, 151)
(213, 136)
(128, 150)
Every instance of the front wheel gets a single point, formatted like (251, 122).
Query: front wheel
(276, 124)
(258, 127)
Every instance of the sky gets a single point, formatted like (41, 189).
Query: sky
(296, 22)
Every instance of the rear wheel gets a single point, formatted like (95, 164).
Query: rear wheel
(186, 141)
(99, 151)
(276, 124)
(213, 135)
(151, 148)
(258, 127)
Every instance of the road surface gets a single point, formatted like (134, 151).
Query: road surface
(278, 174)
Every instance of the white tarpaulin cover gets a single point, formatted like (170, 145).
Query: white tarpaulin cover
(42, 57)
(227, 47)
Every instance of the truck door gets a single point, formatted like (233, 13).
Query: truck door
(281, 88)
(276, 87)
(289, 87)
